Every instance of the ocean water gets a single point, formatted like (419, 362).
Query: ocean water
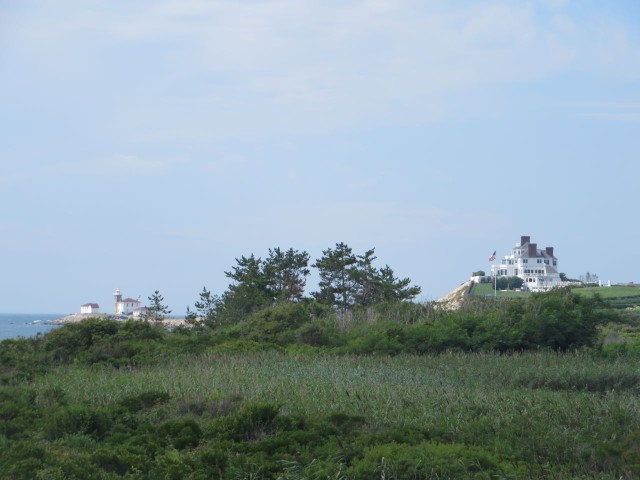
(15, 325)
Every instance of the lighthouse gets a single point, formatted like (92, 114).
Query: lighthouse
(118, 299)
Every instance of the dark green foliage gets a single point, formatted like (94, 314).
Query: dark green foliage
(318, 333)
(64, 343)
(22, 460)
(104, 341)
(277, 324)
(561, 319)
(180, 433)
(337, 284)
(77, 419)
(144, 400)
(429, 461)
(247, 294)
(251, 422)
(348, 280)
(206, 310)
(286, 273)
(16, 412)
(17, 359)
(630, 453)
(257, 283)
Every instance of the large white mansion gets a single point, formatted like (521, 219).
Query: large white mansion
(538, 268)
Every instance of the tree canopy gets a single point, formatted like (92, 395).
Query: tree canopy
(346, 280)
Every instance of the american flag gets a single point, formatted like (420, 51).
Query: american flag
(492, 257)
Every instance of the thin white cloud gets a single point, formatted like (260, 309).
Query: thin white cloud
(377, 222)
(607, 111)
(284, 66)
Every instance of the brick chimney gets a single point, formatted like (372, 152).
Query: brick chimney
(533, 249)
(549, 251)
(524, 239)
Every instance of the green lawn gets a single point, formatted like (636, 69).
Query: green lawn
(484, 289)
(617, 296)
(610, 292)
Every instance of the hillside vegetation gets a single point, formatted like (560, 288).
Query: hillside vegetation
(352, 382)
(299, 390)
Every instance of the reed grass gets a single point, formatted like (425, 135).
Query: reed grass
(544, 407)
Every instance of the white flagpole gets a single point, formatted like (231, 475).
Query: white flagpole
(495, 279)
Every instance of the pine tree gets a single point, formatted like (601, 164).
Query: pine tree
(337, 283)
(285, 273)
(156, 311)
(206, 310)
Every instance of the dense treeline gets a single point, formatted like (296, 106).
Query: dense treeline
(347, 280)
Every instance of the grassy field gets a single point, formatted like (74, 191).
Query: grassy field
(618, 296)
(568, 413)
(485, 289)
(616, 291)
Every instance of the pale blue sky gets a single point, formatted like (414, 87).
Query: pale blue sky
(146, 144)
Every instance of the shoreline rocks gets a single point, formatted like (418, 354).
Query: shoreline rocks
(79, 317)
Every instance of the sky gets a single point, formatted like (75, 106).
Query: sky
(145, 145)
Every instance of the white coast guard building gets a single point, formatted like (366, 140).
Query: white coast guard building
(124, 306)
(90, 308)
(538, 268)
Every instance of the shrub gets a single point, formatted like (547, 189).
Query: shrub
(144, 400)
(250, 422)
(77, 419)
(428, 461)
(181, 433)
(277, 324)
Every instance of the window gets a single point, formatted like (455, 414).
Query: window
(525, 261)
(539, 260)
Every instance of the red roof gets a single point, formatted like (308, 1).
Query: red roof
(92, 305)
(130, 300)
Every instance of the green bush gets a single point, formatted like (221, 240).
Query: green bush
(144, 400)
(250, 422)
(181, 433)
(78, 419)
(428, 461)
(277, 324)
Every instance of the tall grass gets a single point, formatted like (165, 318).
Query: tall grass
(542, 407)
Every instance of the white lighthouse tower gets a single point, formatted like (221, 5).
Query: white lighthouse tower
(118, 299)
